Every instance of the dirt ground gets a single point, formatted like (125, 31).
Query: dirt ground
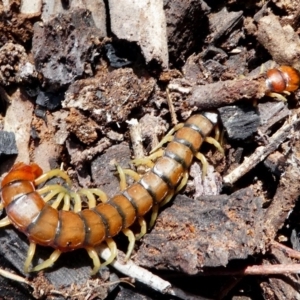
(86, 88)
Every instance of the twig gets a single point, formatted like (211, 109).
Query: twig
(144, 276)
(138, 273)
(290, 252)
(222, 93)
(137, 141)
(171, 108)
(260, 154)
(14, 277)
(258, 270)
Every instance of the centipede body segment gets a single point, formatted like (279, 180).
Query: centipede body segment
(66, 230)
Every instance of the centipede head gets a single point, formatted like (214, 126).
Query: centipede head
(22, 171)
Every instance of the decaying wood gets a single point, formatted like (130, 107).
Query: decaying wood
(261, 152)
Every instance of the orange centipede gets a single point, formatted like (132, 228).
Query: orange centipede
(66, 230)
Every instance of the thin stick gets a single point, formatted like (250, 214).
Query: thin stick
(290, 252)
(260, 153)
(14, 277)
(258, 270)
(137, 141)
(137, 273)
(171, 108)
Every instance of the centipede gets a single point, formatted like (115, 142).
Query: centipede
(65, 230)
(28, 207)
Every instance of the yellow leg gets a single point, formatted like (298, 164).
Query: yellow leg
(58, 200)
(153, 215)
(66, 202)
(214, 142)
(1, 206)
(77, 202)
(52, 191)
(182, 182)
(143, 225)
(168, 137)
(204, 162)
(143, 161)
(148, 161)
(131, 239)
(217, 133)
(30, 254)
(96, 261)
(49, 262)
(277, 96)
(53, 173)
(4, 222)
(89, 193)
(123, 184)
(132, 174)
(167, 199)
(113, 249)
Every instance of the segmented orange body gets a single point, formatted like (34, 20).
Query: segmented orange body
(283, 79)
(67, 230)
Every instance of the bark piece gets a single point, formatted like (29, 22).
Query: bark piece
(271, 113)
(239, 121)
(14, 65)
(223, 22)
(287, 191)
(284, 286)
(144, 23)
(284, 46)
(111, 97)
(8, 143)
(64, 48)
(84, 128)
(96, 7)
(185, 20)
(207, 232)
(221, 93)
(104, 171)
(18, 120)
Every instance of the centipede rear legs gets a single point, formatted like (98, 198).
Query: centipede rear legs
(157, 152)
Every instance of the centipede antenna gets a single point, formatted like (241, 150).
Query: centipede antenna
(131, 239)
